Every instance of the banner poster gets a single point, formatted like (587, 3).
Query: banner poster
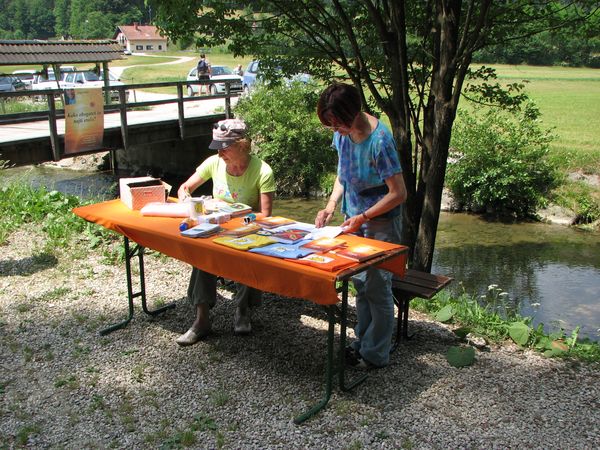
(84, 119)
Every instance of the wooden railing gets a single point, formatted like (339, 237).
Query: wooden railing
(123, 105)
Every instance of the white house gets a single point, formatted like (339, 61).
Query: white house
(140, 38)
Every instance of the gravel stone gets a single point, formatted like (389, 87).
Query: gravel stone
(62, 385)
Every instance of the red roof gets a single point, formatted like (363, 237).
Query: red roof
(140, 33)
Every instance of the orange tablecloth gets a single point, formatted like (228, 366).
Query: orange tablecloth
(261, 272)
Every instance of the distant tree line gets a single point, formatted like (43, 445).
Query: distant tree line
(75, 19)
(575, 45)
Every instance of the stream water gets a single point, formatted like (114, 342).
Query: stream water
(550, 272)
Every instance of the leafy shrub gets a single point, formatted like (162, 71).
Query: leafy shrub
(283, 123)
(21, 203)
(500, 163)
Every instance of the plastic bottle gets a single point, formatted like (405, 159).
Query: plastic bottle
(187, 223)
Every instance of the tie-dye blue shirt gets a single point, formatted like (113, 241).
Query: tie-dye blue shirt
(363, 169)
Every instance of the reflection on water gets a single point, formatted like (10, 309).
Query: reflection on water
(550, 272)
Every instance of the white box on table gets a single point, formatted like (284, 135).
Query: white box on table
(139, 191)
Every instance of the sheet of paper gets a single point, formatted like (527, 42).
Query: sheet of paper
(325, 232)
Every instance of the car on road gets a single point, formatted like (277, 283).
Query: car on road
(88, 78)
(26, 76)
(8, 83)
(217, 73)
(253, 74)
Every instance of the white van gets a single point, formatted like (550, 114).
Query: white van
(26, 76)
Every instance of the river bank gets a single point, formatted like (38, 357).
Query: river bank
(62, 385)
(553, 214)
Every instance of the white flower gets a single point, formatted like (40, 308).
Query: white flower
(503, 294)
(535, 305)
(492, 286)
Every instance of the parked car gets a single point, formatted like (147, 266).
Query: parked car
(89, 78)
(40, 81)
(9, 83)
(26, 76)
(252, 74)
(217, 73)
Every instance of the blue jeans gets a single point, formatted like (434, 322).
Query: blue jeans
(374, 301)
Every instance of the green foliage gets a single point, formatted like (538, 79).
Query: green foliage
(21, 204)
(460, 356)
(500, 163)
(519, 332)
(47, 19)
(444, 314)
(284, 126)
(488, 322)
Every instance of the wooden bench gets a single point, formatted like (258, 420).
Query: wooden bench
(414, 284)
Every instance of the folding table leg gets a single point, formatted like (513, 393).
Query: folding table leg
(138, 251)
(342, 349)
(328, 370)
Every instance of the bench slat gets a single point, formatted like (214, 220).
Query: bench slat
(420, 284)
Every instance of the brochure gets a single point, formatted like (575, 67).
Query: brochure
(274, 221)
(359, 252)
(289, 236)
(325, 244)
(242, 231)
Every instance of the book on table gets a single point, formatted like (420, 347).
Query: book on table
(289, 236)
(359, 252)
(213, 205)
(274, 221)
(325, 244)
(236, 209)
(201, 230)
(242, 231)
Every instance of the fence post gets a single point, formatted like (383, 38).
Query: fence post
(52, 124)
(227, 101)
(180, 111)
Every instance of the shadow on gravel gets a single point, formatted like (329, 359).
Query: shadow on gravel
(27, 266)
(288, 342)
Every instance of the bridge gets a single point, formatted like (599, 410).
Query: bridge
(153, 131)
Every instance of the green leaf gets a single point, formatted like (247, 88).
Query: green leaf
(462, 332)
(444, 314)
(460, 356)
(519, 332)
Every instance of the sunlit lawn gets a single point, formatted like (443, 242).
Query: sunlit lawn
(569, 100)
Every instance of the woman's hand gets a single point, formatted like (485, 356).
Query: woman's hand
(183, 193)
(324, 217)
(353, 223)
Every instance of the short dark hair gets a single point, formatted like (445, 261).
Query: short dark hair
(202, 55)
(341, 101)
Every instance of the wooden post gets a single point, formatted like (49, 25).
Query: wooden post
(106, 83)
(123, 114)
(227, 101)
(180, 111)
(56, 152)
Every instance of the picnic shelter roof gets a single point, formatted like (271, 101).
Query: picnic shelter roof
(22, 52)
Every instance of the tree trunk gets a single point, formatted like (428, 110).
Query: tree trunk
(438, 120)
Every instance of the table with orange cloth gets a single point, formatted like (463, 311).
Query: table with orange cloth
(262, 272)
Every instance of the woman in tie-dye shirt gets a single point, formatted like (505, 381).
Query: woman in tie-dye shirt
(371, 188)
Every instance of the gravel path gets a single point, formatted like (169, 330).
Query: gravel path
(64, 386)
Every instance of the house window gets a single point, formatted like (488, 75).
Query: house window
(159, 47)
(149, 47)
(139, 47)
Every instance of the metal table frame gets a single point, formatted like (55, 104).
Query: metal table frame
(343, 277)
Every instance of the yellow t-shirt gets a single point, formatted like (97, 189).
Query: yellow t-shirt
(257, 179)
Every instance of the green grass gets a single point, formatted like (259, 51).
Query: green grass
(569, 100)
